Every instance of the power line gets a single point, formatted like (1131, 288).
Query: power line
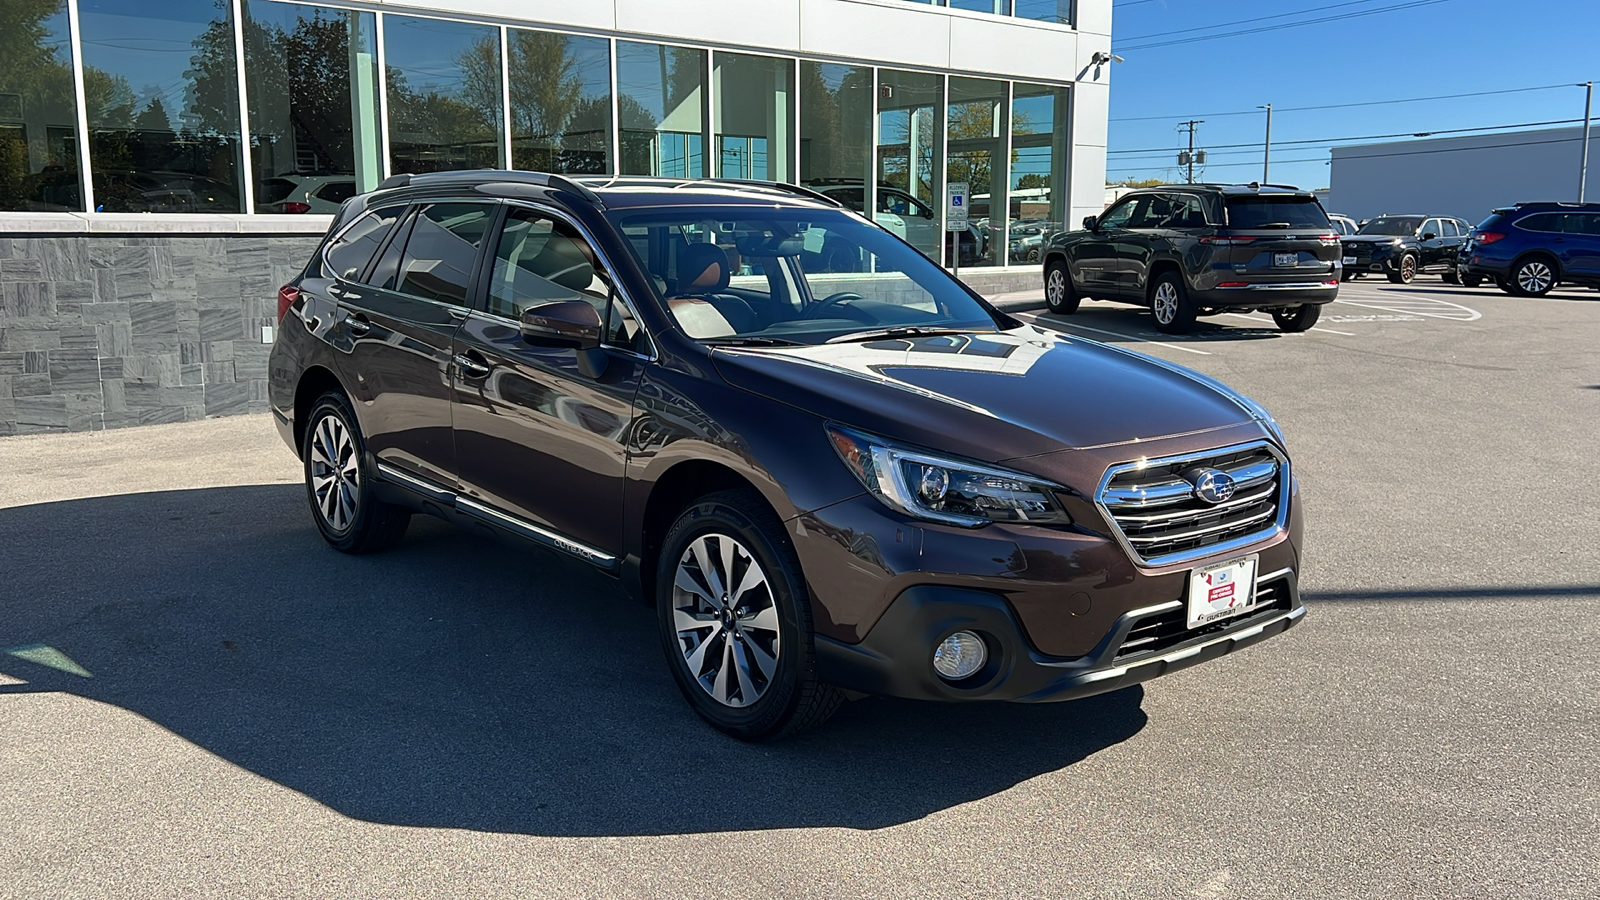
(1571, 140)
(1251, 112)
(1412, 4)
(1364, 137)
(1298, 12)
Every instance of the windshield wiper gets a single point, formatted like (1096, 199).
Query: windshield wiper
(749, 341)
(1274, 225)
(899, 331)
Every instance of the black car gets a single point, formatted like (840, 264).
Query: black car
(822, 481)
(1401, 247)
(1187, 250)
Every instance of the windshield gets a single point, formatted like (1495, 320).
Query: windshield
(1399, 226)
(750, 275)
(1276, 212)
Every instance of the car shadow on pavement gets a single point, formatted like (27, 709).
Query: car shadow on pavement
(458, 682)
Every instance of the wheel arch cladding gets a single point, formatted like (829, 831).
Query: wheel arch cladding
(314, 382)
(672, 492)
(1161, 267)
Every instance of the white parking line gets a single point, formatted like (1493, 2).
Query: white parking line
(1054, 322)
(1417, 306)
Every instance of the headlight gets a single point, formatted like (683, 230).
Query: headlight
(943, 489)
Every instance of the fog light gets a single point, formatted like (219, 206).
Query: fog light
(959, 656)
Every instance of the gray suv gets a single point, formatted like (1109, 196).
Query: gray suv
(1199, 249)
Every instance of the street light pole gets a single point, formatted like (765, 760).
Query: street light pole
(1583, 167)
(1266, 154)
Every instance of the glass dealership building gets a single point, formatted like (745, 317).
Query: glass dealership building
(248, 121)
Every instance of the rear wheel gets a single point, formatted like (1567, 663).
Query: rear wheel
(1169, 301)
(1298, 318)
(1533, 277)
(1406, 272)
(1059, 294)
(736, 621)
(339, 483)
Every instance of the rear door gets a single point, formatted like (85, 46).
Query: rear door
(541, 437)
(401, 325)
(1138, 243)
(1432, 244)
(1279, 238)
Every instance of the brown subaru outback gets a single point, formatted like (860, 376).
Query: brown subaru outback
(824, 462)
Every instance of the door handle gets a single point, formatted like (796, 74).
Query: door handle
(469, 367)
(358, 325)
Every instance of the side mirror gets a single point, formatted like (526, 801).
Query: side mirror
(1091, 223)
(567, 323)
(1428, 235)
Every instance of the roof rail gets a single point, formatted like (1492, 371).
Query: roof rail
(481, 176)
(775, 185)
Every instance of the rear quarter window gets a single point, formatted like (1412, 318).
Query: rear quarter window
(1541, 222)
(350, 252)
(1270, 212)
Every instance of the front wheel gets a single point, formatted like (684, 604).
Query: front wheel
(1407, 271)
(1169, 301)
(1297, 319)
(1059, 293)
(1533, 278)
(736, 621)
(339, 483)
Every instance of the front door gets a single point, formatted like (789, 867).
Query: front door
(541, 436)
(401, 325)
(1094, 254)
(1580, 246)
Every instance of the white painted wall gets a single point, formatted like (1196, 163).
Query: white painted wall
(1465, 177)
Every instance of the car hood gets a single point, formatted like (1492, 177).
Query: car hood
(990, 397)
(1373, 239)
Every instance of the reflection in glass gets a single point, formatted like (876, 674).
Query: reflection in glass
(909, 134)
(998, 7)
(444, 95)
(560, 102)
(754, 119)
(38, 118)
(660, 98)
(835, 125)
(976, 148)
(311, 77)
(1038, 167)
(1045, 10)
(162, 97)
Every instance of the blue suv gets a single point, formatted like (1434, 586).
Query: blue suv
(1530, 248)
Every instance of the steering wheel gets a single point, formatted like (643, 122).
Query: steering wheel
(826, 303)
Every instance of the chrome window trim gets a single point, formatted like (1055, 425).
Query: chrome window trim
(616, 285)
(1278, 527)
(407, 206)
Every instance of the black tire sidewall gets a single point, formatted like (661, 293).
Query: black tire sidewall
(769, 714)
(335, 404)
(1298, 319)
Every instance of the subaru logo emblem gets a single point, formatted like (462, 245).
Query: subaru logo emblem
(1211, 485)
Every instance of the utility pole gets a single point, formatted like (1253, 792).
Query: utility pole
(1583, 167)
(1266, 155)
(1188, 158)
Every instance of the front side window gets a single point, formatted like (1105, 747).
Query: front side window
(441, 250)
(1118, 216)
(792, 276)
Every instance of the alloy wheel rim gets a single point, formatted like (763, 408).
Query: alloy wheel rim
(1166, 303)
(1534, 277)
(1408, 268)
(726, 620)
(1056, 288)
(335, 473)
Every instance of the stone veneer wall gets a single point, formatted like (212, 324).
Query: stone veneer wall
(106, 330)
(128, 328)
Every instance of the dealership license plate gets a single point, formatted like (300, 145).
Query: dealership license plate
(1349, 260)
(1285, 259)
(1222, 591)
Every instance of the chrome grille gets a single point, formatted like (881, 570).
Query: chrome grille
(1162, 520)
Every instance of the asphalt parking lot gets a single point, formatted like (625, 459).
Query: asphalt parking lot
(198, 698)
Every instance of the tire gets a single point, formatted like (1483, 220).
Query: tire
(1532, 277)
(1450, 276)
(1169, 302)
(339, 482)
(1471, 281)
(1059, 294)
(1407, 272)
(776, 692)
(1297, 319)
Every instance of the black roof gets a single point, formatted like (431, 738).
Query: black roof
(1231, 190)
(613, 191)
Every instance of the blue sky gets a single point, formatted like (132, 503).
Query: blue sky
(1423, 48)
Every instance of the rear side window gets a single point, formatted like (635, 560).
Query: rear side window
(441, 250)
(350, 252)
(1583, 223)
(1276, 212)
